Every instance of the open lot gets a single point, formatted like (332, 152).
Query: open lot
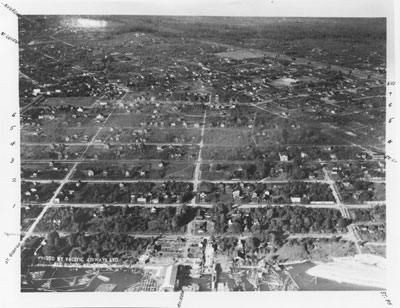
(225, 137)
(81, 101)
(240, 54)
(229, 153)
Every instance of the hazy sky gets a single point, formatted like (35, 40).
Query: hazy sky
(356, 8)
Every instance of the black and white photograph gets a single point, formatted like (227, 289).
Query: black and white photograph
(237, 153)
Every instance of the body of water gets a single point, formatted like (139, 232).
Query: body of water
(310, 283)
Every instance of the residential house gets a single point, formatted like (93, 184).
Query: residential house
(283, 157)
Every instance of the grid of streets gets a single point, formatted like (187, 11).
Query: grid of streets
(196, 180)
(210, 160)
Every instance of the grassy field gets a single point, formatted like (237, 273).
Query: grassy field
(323, 251)
(81, 101)
(230, 153)
(240, 54)
(232, 137)
(174, 135)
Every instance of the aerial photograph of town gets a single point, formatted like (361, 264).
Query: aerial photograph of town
(202, 154)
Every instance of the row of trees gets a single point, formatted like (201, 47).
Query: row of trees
(286, 219)
(101, 245)
(113, 220)
(122, 193)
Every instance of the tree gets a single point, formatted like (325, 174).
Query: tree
(342, 223)
(235, 228)
(251, 169)
(328, 224)
(187, 196)
(252, 243)
(176, 221)
(298, 173)
(52, 238)
(72, 239)
(270, 213)
(285, 135)
(52, 244)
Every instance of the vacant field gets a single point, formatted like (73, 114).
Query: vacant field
(213, 172)
(230, 153)
(179, 135)
(379, 250)
(322, 250)
(240, 54)
(73, 101)
(231, 137)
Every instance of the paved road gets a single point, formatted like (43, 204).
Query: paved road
(34, 101)
(174, 237)
(177, 144)
(204, 161)
(29, 78)
(344, 209)
(375, 244)
(205, 205)
(368, 223)
(99, 143)
(169, 180)
(344, 236)
(197, 172)
(274, 113)
(60, 40)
